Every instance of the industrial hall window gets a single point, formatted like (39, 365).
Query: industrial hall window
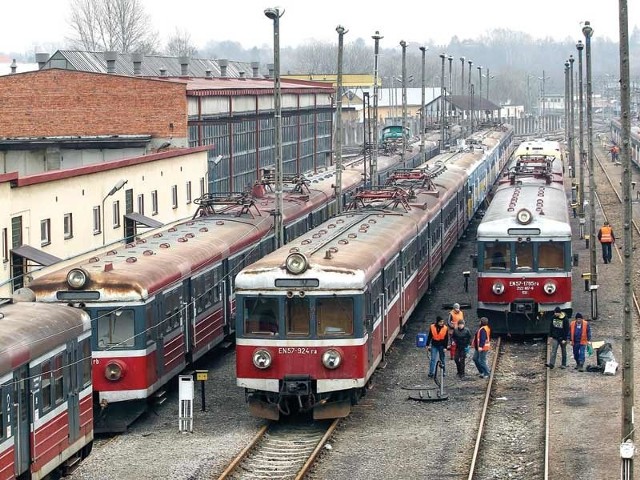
(141, 204)
(154, 202)
(96, 220)
(188, 187)
(68, 225)
(5, 245)
(116, 214)
(174, 196)
(45, 232)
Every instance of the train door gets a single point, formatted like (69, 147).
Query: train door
(187, 315)
(73, 375)
(21, 422)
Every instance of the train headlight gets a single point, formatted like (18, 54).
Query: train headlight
(331, 359)
(262, 359)
(550, 288)
(113, 371)
(296, 263)
(77, 278)
(524, 216)
(498, 288)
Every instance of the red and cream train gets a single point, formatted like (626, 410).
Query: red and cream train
(524, 244)
(46, 421)
(163, 301)
(317, 316)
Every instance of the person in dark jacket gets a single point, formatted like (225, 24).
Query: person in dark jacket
(437, 343)
(462, 337)
(559, 334)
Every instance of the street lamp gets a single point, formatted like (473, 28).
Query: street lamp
(341, 31)
(374, 158)
(588, 33)
(116, 187)
(275, 14)
(580, 47)
(212, 164)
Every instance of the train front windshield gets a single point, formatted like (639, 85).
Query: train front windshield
(115, 329)
(524, 256)
(298, 316)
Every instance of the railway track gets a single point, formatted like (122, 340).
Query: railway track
(513, 435)
(608, 200)
(281, 450)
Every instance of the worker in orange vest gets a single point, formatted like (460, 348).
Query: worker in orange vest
(580, 337)
(482, 345)
(437, 343)
(455, 315)
(607, 238)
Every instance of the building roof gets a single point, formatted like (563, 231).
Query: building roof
(251, 86)
(150, 66)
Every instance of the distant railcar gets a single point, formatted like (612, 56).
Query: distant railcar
(317, 316)
(524, 244)
(45, 385)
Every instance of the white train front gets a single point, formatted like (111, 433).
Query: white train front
(317, 316)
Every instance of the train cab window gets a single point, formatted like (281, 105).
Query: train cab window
(115, 329)
(297, 316)
(524, 256)
(497, 256)
(261, 316)
(46, 385)
(334, 316)
(551, 256)
(58, 379)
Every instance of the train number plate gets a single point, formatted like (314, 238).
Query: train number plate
(297, 350)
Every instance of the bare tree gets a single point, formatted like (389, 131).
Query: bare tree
(119, 25)
(180, 44)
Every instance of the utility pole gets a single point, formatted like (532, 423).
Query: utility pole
(588, 33)
(566, 101)
(374, 158)
(572, 120)
(403, 44)
(580, 47)
(470, 98)
(442, 56)
(627, 449)
(423, 126)
(275, 14)
(341, 31)
(479, 93)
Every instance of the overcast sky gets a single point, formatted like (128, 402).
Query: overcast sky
(27, 25)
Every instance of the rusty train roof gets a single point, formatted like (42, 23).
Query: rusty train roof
(135, 271)
(352, 248)
(28, 330)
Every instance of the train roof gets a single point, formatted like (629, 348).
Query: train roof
(135, 271)
(546, 203)
(348, 251)
(28, 330)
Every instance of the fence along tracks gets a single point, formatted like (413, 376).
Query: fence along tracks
(281, 450)
(505, 420)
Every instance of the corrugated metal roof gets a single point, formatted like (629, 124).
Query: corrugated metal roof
(150, 67)
(199, 86)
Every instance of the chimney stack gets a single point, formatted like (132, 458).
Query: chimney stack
(14, 66)
(163, 72)
(137, 58)
(110, 58)
(223, 64)
(42, 59)
(255, 66)
(207, 73)
(271, 69)
(241, 74)
(184, 65)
